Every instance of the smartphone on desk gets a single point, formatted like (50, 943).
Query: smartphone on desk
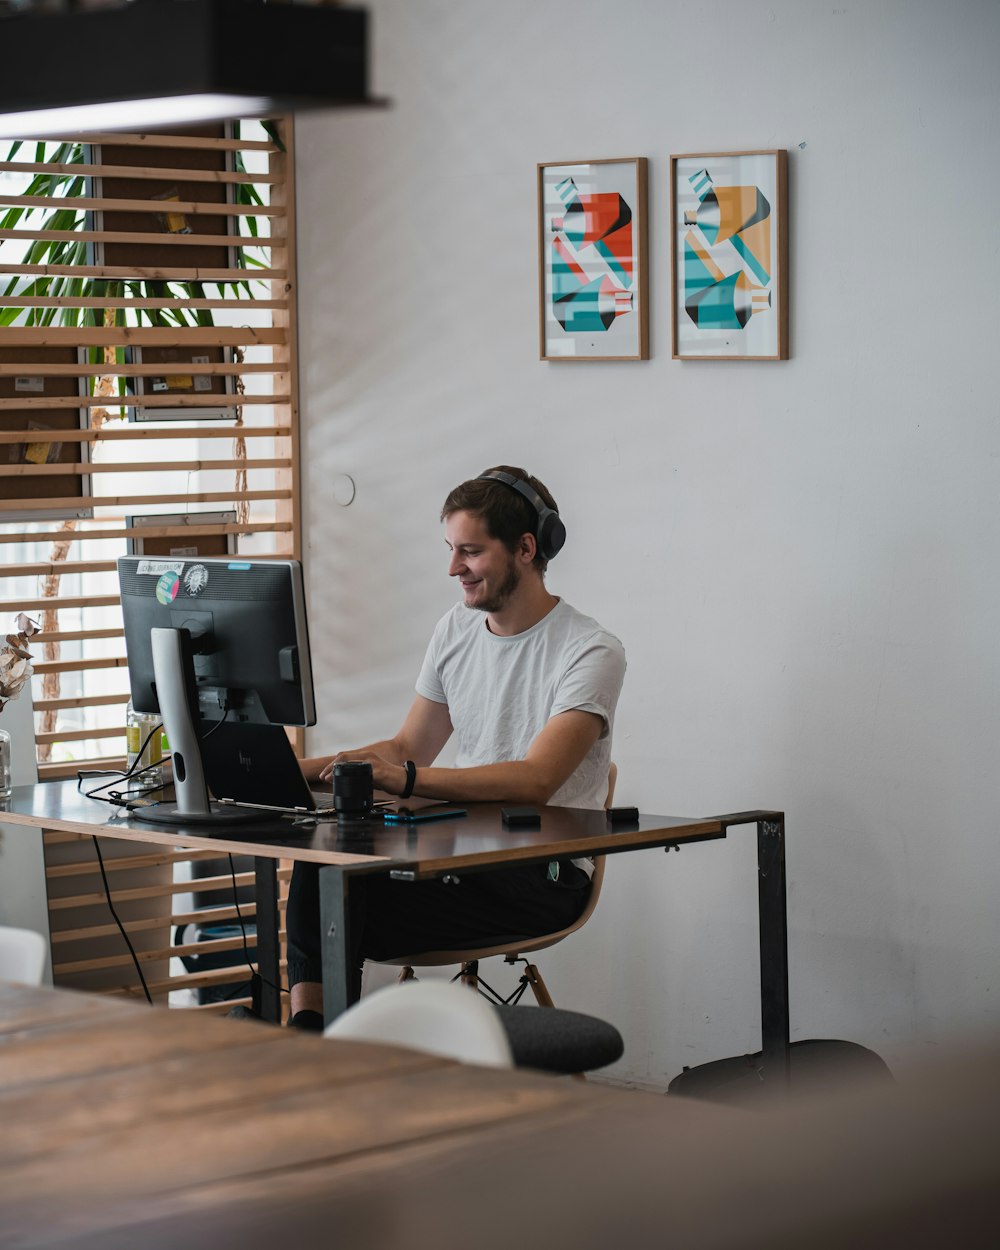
(401, 814)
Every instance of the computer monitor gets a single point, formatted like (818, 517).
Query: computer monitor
(211, 640)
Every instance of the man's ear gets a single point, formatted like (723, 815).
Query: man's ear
(527, 548)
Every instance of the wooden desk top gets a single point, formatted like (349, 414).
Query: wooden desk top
(479, 839)
(128, 1127)
(115, 1114)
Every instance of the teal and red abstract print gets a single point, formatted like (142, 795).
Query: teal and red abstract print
(591, 224)
(595, 233)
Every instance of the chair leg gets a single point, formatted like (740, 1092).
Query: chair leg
(469, 974)
(538, 987)
(406, 974)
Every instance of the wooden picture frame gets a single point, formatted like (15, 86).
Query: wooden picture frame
(177, 380)
(43, 475)
(198, 538)
(592, 260)
(729, 255)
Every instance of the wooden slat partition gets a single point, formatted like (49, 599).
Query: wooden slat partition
(175, 142)
(206, 915)
(88, 949)
(191, 208)
(149, 401)
(92, 301)
(47, 369)
(165, 889)
(135, 236)
(128, 171)
(147, 272)
(94, 501)
(76, 367)
(76, 901)
(152, 336)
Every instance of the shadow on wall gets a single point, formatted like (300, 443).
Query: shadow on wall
(893, 923)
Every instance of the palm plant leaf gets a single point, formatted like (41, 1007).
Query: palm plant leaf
(64, 218)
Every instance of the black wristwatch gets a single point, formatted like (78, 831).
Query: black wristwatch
(411, 779)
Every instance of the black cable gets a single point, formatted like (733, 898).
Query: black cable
(116, 799)
(127, 799)
(219, 723)
(121, 927)
(243, 929)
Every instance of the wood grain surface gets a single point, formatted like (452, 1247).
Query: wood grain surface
(128, 1127)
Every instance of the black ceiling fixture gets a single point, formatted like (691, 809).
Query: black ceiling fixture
(155, 62)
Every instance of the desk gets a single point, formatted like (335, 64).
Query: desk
(453, 848)
(127, 1126)
(117, 1114)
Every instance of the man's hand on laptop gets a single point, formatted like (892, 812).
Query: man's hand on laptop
(386, 776)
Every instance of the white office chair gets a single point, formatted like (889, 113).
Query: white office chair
(513, 952)
(437, 1017)
(22, 955)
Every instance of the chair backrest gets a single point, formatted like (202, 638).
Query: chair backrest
(612, 782)
(444, 1019)
(22, 955)
(522, 946)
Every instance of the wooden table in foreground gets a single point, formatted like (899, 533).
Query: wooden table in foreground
(128, 1127)
(451, 848)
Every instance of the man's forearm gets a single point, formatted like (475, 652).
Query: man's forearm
(552, 758)
(514, 781)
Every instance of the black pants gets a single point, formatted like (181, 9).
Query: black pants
(390, 918)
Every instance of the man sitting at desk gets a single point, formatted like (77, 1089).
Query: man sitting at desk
(529, 686)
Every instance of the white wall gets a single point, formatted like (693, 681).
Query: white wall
(799, 557)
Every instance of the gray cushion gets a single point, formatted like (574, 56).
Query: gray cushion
(559, 1041)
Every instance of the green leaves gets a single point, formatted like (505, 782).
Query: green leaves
(65, 219)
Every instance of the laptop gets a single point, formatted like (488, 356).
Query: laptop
(256, 764)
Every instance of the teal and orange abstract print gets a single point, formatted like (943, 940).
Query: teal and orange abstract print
(727, 250)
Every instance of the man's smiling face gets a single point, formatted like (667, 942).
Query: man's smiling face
(488, 572)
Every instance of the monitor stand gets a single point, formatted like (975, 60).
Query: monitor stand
(174, 674)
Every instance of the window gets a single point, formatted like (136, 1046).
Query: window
(147, 369)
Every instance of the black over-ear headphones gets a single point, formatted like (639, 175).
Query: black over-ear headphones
(550, 533)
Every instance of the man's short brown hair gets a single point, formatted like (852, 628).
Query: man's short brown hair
(504, 511)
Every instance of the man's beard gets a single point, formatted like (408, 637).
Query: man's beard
(500, 597)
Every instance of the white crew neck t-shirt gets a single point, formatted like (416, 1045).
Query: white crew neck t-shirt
(502, 690)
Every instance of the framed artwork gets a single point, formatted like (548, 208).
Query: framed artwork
(729, 251)
(50, 481)
(592, 260)
(198, 538)
(177, 380)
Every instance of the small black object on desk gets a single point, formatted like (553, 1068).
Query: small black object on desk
(619, 815)
(520, 817)
(352, 790)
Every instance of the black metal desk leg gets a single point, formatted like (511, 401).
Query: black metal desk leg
(334, 915)
(268, 950)
(773, 946)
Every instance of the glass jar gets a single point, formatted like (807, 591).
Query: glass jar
(138, 727)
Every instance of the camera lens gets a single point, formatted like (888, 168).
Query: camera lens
(352, 789)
